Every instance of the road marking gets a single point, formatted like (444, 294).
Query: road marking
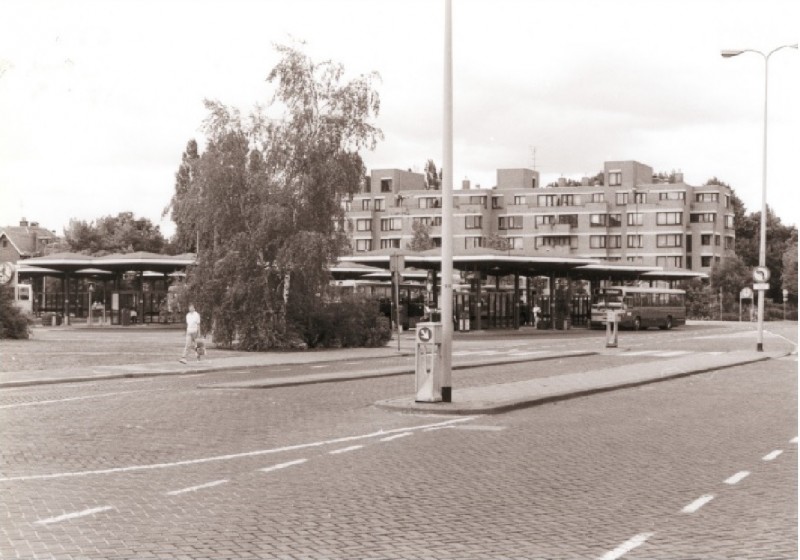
(738, 477)
(626, 547)
(793, 440)
(193, 488)
(283, 465)
(481, 428)
(345, 449)
(73, 515)
(352, 363)
(772, 455)
(53, 401)
(317, 367)
(396, 436)
(698, 503)
(215, 458)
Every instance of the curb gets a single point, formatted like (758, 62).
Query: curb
(407, 405)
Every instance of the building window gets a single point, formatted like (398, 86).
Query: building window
(672, 195)
(705, 262)
(509, 222)
(598, 197)
(597, 241)
(568, 219)
(380, 205)
(614, 220)
(622, 198)
(391, 224)
(669, 240)
(386, 185)
(497, 202)
(614, 178)
(515, 242)
(669, 261)
(614, 241)
(706, 197)
(364, 225)
(729, 224)
(727, 201)
(669, 218)
(481, 200)
(430, 202)
(688, 243)
(390, 243)
(635, 219)
(546, 200)
(705, 239)
(717, 240)
(545, 219)
(640, 198)
(558, 241)
(365, 204)
(703, 218)
(689, 262)
(363, 245)
(730, 242)
(472, 222)
(519, 200)
(598, 220)
(473, 242)
(635, 242)
(567, 200)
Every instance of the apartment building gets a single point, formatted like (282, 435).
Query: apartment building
(628, 217)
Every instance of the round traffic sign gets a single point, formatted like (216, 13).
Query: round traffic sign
(761, 274)
(425, 334)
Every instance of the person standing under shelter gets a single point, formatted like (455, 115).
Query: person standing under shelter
(192, 332)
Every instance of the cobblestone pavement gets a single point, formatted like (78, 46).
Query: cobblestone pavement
(156, 468)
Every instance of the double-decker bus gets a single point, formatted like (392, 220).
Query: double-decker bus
(639, 308)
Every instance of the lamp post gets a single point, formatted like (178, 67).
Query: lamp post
(762, 251)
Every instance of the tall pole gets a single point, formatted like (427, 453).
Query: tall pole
(762, 246)
(447, 208)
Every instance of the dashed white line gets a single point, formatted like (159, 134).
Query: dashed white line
(283, 465)
(626, 547)
(396, 436)
(698, 503)
(793, 440)
(232, 456)
(73, 515)
(194, 488)
(318, 367)
(772, 455)
(345, 449)
(738, 477)
(53, 401)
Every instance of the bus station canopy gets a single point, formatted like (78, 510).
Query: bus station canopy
(500, 263)
(141, 261)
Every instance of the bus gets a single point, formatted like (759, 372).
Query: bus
(639, 308)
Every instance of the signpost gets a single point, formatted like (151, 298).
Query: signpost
(396, 265)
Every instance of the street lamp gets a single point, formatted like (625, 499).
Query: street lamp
(762, 251)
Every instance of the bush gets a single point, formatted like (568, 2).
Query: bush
(13, 322)
(349, 323)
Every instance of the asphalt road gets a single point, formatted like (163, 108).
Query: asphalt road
(700, 467)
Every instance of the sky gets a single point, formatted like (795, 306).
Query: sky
(98, 99)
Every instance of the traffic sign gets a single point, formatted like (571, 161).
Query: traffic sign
(761, 286)
(746, 293)
(761, 275)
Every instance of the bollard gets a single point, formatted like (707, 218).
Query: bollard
(611, 329)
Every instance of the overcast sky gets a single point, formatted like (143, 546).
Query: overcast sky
(98, 99)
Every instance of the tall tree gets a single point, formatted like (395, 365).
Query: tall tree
(180, 211)
(265, 199)
(789, 261)
(421, 241)
(122, 233)
(728, 277)
(433, 179)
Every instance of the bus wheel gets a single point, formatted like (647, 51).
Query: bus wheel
(668, 326)
(637, 324)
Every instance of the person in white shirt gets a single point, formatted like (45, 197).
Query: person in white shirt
(192, 332)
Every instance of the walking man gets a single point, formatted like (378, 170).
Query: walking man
(192, 332)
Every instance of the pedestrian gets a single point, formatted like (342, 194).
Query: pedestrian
(192, 332)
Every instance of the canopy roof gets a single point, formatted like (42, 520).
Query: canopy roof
(117, 262)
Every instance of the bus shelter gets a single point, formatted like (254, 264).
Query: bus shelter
(124, 287)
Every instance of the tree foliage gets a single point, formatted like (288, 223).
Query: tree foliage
(789, 262)
(263, 202)
(728, 277)
(421, 240)
(494, 241)
(13, 322)
(114, 234)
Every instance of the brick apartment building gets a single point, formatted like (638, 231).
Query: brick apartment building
(629, 218)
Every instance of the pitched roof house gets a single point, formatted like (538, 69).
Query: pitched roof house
(24, 241)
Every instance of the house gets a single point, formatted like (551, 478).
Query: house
(24, 241)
